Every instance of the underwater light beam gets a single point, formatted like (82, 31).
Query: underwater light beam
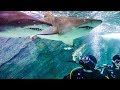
(111, 36)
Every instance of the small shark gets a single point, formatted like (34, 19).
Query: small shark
(66, 29)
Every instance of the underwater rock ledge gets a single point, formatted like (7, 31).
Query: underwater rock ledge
(23, 58)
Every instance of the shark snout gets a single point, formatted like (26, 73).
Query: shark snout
(95, 22)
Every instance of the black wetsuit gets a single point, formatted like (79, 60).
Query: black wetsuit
(82, 74)
(111, 72)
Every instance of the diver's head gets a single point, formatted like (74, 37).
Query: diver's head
(88, 62)
(116, 61)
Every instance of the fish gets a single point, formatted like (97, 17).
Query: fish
(18, 19)
(60, 28)
(66, 29)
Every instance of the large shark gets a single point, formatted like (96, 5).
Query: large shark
(64, 29)
(18, 24)
(18, 19)
(68, 34)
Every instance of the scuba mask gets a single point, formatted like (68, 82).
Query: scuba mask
(116, 62)
(85, 60)
(88, 62)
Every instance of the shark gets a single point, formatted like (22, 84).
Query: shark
(19, 24)
(60, 28)
(18, 19)
(66, 29)
(68, 36)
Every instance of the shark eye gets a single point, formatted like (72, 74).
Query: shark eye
(45, 16)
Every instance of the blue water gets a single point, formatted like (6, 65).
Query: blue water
(48, 59)
(103, 41)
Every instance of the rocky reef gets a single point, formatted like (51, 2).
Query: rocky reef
(23, 58)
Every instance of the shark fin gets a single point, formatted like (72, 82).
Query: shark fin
(68, 42)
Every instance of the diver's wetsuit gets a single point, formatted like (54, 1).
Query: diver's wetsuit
(85, 74)
(111, 72)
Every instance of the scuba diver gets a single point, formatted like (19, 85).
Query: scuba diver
(113, 72)
(87, 71)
